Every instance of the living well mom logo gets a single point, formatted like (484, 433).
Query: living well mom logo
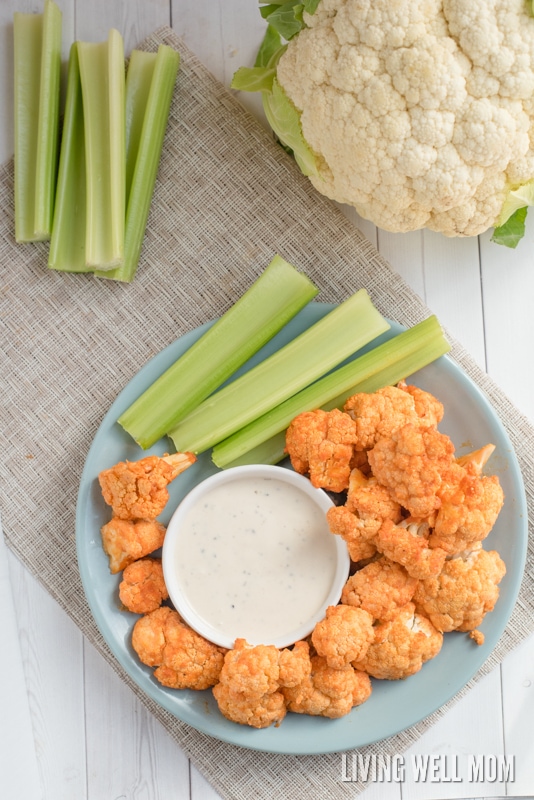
(427, 767)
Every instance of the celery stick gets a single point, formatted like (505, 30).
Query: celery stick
(48, 121)
(138, 81)
(386, 364)
(102, 78)
(339, 334)
(272, 300)
(67, 243)
(27, 40)
(144, 151)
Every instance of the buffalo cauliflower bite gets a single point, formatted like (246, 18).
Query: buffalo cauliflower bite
(249, 685)
(410, 464)
(126, 540)
(321, 443)
(257, 711)
(344, 635)
(401, 645)
(142, 588)
(469, 509)
(381, 588)
(183, 659)
(357, 522)
(327, 691)
(378, 414)
(358, 536)
(138, 489)
(408, 543)
(461, 595)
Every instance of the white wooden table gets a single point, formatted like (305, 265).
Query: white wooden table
(69, 729)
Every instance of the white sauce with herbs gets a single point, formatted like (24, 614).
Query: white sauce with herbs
(255, 558)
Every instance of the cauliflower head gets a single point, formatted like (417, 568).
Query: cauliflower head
(419, 113)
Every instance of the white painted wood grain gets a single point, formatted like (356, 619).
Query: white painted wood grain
(18, 759)
(98, 742)
(52, 657)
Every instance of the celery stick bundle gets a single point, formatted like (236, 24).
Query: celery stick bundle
(93, 207)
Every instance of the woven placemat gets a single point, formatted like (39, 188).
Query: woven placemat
(227, 199)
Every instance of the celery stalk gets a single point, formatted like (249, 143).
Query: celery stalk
(138, 82)
(272, 300)
(103, 87)
(147, 122)
(324, 345)
(37, 62)
(384, 365)
(67, 243)
(48, 123)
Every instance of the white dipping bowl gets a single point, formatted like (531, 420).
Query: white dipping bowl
(248, 554)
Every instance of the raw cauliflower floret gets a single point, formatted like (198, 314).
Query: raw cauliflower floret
(138, 489)
(142, 588)
(408, 543)
(410, 464)
(462, 594)
(381, 588)
(379, 414)
(357, 522)
(418, 113)
(183, 659)
(401, 646)
(344, 635)
(468, 511)
(328, 692)
(126, 540)
(250, 681)
(321, 443)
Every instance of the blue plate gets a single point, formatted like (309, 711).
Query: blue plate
(469, 420)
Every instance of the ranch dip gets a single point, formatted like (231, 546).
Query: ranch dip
(255, 558)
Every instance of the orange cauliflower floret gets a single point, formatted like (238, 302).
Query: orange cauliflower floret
(126, 540)
(358, 536)
(401, 646)
(379, 414)
(427, 407)
(468, 511)
(344, 635)
(328, 692)
(321, 443)
(408, 543)
(142, 588)
(410, 464)
(248, 689)
(381, 588)
(183, 659)
(138, 489)
(465, 590)
(294, 664)
(359, 520)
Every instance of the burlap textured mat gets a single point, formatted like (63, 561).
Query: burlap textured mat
(226, 200)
